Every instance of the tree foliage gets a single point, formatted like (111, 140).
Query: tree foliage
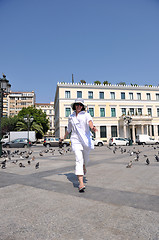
(8, 124)
(97, 82)
(40, 123)
(121, 83)
(82, 81)
(106, 83)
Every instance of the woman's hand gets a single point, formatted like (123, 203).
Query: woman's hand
(94, 129)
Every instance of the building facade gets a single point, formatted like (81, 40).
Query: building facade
(15, 101)
(48, 108)
(117, 110)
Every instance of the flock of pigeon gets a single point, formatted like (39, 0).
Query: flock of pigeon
(136, 154)
(17, 157)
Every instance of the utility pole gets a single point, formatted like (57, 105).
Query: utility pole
(72, 79)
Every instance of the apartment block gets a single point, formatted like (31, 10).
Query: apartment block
(15, 101)
(117, 110)
(48, 108)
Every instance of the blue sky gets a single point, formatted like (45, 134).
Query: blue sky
(46, 41)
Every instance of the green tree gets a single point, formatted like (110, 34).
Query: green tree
(82, 81)
(97, 82)
(40, 123)
(106, 83)
(134, 84)
(8, 124)
(121, 83)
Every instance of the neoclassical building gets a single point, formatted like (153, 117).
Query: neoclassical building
(117, 110)
(48, 108)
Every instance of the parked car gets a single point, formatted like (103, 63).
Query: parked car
(54, 142)
(118, 141)
(18, 143)
(97, 142)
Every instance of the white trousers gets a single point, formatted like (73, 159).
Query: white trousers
(82, 157)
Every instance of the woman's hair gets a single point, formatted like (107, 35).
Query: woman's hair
(74, 108)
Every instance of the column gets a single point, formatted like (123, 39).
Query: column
(97, 132)
(147, 129)
(108, 132)
(156, 132)
(142, 129)
(124, 131)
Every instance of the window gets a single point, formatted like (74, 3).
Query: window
(67, 94)
(139, 111)
(102, 112)
(112, 95)
(113, 131)
(103, 131)
(131, 111)
(101, 95)
(123, 111)
(79, 94)
(149, 111)
(138, 96)
(130, 96)
(113, 112)
(91, 112)
(148, 96)
(157, 112)
(157, 96)
(90, 95)
(122, 95)
(67, 112)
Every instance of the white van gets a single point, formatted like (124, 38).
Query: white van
(145, 139)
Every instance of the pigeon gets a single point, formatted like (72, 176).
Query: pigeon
(29, 162)
(37, 165)
(21, 165)
(147, 161)
(41, 154)
(4, 162)
(33, 158)
(30, 152)
(15, 161)
(3, 166)
(129, 164)
(157, 158)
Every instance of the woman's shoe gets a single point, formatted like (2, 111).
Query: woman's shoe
(81, 189)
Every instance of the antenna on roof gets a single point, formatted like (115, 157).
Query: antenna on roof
(72, 79)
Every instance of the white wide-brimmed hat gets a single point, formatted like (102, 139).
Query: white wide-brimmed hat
(78, 100)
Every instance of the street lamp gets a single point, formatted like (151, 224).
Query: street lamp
(28, 119)
(4, 89)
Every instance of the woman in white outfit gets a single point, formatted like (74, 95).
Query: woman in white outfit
(79, 124)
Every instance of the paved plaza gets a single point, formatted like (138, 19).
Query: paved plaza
(119, 203)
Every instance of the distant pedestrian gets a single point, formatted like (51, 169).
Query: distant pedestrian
(79, 124)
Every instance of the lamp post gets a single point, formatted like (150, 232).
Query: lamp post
(4, 89)
(28, 119)
(127, 120)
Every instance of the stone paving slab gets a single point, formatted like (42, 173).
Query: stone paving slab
(119, 203)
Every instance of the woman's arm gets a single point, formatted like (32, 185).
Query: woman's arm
(93, 128)
(65, 136)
